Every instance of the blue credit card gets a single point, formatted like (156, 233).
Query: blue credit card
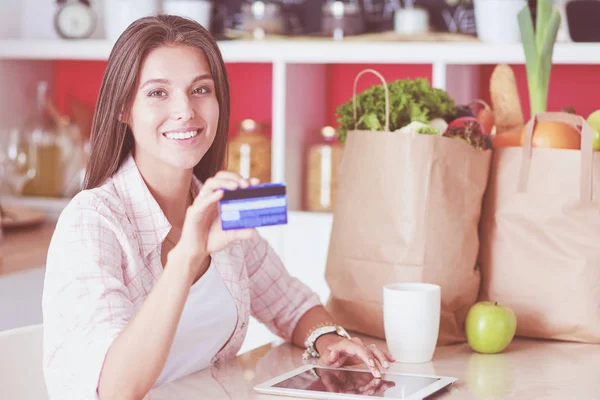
(253, 207)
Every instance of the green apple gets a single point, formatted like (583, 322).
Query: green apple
(594, 120)
(490, 327)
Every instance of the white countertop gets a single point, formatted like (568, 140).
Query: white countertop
(528, 369)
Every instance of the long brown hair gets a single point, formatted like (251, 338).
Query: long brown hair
(112, 140)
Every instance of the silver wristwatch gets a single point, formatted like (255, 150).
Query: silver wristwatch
(311, 350)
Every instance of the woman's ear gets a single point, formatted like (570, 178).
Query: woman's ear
(123, 117)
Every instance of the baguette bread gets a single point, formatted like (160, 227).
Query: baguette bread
(505, 99)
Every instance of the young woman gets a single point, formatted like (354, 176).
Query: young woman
(142, 285)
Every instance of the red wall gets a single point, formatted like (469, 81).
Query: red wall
(570, 85)
(251, 86)
(77, 80)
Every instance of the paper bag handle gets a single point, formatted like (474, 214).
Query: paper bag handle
(587, 136)
(387, 97)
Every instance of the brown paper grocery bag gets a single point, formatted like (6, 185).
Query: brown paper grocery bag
(407, 210)
(540, 236)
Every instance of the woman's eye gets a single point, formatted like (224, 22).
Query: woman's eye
(202, 90)
(157, 93)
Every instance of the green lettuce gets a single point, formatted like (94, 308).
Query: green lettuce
(428, 130)
(420, 128)
(410, 100)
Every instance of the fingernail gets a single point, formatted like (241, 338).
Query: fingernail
(371, 362)
(386, 364)
(377, 374)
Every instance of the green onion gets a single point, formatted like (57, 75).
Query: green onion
(538, 47)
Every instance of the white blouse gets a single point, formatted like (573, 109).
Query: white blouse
(105, 259)
(207, 322)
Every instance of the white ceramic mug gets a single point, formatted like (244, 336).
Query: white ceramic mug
(197, 10)
(411, 316)
(411, 21)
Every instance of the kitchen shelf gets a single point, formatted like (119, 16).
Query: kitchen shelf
(53, 207)
(300, 77)
(320, 51)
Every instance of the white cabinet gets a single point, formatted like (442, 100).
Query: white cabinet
(21, 298)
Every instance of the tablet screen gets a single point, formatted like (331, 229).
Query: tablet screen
(318, 379)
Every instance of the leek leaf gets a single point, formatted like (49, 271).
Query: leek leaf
(544, 8)
(538, 47)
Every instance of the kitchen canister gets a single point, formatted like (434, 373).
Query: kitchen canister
(119, 14)
(197, 10)
(249, 153)
(497, 21)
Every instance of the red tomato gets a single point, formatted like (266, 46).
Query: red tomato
(460, 122)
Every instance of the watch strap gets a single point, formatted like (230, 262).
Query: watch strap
(316, 333)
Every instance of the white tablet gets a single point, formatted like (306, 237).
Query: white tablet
(316, 382)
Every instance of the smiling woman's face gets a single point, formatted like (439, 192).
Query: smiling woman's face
(175, 111)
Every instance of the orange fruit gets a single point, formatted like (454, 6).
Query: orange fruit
(555, 135)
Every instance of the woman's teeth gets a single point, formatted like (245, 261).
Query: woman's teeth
(181, 135)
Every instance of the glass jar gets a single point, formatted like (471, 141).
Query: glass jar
(41, 140)
(323, 163)
(249, 153)
(342, 18)
(262, 18)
